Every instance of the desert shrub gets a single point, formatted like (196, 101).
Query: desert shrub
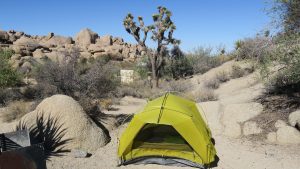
(256, 48)
(139, 88)
(8, 76)
(202, 59)
(177, 86)
(177, 65)
(281, 69)
(213, 83)
(98, 80)
(15, 110)
(237, 71)
(204, 94)
(106, 104)
(9, 94)
(142, 67)
(222, 76)
(142, 89)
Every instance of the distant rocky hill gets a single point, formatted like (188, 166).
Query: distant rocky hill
(86, 43)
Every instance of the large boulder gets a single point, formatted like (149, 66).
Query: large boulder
(28, 43)
(4, 37)
(294, 118)
(86, 37)
(75, 124)
(117, 41)
(105, 40)
(95, 48)
(55, 41)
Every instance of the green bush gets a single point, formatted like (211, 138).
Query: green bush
(177, 65)
(286, 58)
(142, 67)
(8, 76)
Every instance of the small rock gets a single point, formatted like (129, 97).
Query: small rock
(280, 123)
(251, 127)
(271, 137)
(79, 153)
(288, 135)
(294, 118)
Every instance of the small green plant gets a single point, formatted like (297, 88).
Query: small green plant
(9, 77)
(142, 67)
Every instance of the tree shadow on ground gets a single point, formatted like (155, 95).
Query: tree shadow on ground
(100, 118)
(277, 105)
(49, 132)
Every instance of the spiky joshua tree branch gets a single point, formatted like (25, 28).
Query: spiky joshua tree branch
(162, 33)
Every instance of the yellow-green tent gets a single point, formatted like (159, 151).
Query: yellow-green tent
(170, 131)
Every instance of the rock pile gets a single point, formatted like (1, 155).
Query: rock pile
(30, 49)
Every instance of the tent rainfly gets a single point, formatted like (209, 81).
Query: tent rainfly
(169, 131)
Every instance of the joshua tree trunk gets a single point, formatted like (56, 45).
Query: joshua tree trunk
(162, 32)
(154, 70)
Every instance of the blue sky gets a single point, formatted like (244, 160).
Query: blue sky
(199, 22)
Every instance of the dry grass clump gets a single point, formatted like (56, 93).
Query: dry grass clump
(106, 103)
(213, 83)
(223, 76)
(15, 110)
(204, 95)
(142, 89)
(177, 86)
(139, 89)
(237, 72)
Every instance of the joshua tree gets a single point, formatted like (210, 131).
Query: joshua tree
(162, 33)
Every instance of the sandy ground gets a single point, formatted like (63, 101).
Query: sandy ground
(233, 153)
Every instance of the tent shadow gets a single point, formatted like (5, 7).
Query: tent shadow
(217, 159)
(49, 133)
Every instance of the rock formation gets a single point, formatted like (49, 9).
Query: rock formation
(54, 47)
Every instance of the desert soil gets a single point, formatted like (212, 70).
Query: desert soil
(233, 153)
(238, 153)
